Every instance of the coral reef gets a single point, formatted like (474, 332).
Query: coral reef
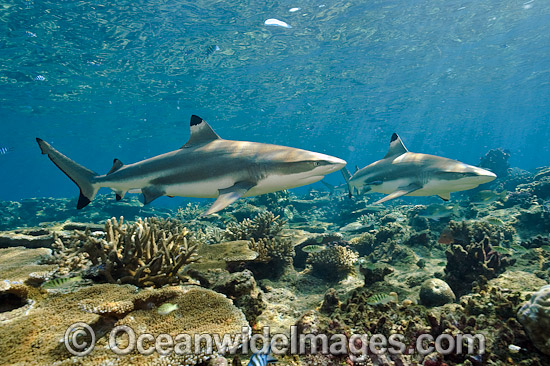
(374, 273)
(436, 292)
(142, 254)
(496, 160)
(335, 262)
(468, 262)
(35, 211)
(535, 318)
(23, 265)
(539, 188)
(264, 225)
(264, 231)
(489, 312)
(465, 232)
(536, 242)
(227, 254)
(108, 305)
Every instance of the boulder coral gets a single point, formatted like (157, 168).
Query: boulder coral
(535, 318)
(335, 262)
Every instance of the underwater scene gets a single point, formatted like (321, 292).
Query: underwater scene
(293, 182)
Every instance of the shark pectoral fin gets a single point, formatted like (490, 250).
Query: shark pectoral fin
(229, 195)
(347, 177)
(151, 193)
(400, 192)
(445, 196)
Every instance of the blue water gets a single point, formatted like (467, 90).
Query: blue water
(120, 79)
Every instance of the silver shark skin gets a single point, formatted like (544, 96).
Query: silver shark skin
(404, 173)
(207, 166)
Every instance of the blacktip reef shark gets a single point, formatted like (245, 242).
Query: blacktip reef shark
(404, 173)
(207, 166)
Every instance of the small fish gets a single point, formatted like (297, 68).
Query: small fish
(437, 212)
(5, 150)
(446, 236)
(493, 220)
(488, 196)
(59, 283)
(500, 250)
(381, 299)
(210, 50)
(293, 10)
(39, 78)
(314, 248)
(518, 248)
(514, 349)
(167, 308)
(341, 189)
(369, 209)
(262, 359)
(276, 23)
(30, 34)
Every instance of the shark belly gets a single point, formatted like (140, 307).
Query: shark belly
(200, 189)
(276, 182)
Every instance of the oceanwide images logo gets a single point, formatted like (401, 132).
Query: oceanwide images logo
(80, 340)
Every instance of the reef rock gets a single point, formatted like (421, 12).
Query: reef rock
(436, 292)
(535, 318)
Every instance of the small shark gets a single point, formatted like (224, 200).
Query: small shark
(207, 166)
(404, 173)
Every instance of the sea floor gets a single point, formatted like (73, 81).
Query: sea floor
(320, 264)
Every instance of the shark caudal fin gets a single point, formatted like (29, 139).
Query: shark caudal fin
(82, 176)
(347, 177)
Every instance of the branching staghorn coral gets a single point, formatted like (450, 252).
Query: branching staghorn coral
(264, 233)
(263, 225)
(273, 249)
(142, 254)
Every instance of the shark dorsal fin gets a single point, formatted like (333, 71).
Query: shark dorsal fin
(396, 147)
(201, 132)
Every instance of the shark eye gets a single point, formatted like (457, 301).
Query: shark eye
(316, 163)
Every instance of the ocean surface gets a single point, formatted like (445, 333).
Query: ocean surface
(102, 80)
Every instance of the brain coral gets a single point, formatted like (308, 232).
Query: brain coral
(535, 318)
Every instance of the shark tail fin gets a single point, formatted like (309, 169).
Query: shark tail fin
(83, 177)
(347, 177)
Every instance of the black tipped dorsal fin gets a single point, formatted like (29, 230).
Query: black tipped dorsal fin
(201, 132)
(117, 164)
(396, 147)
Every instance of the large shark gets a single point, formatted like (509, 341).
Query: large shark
(206, 166)
(404, 173)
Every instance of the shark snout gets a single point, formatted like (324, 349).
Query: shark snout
(485, 176)
(334, 164)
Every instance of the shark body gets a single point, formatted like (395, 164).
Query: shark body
(207, 166)
(404, 173)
